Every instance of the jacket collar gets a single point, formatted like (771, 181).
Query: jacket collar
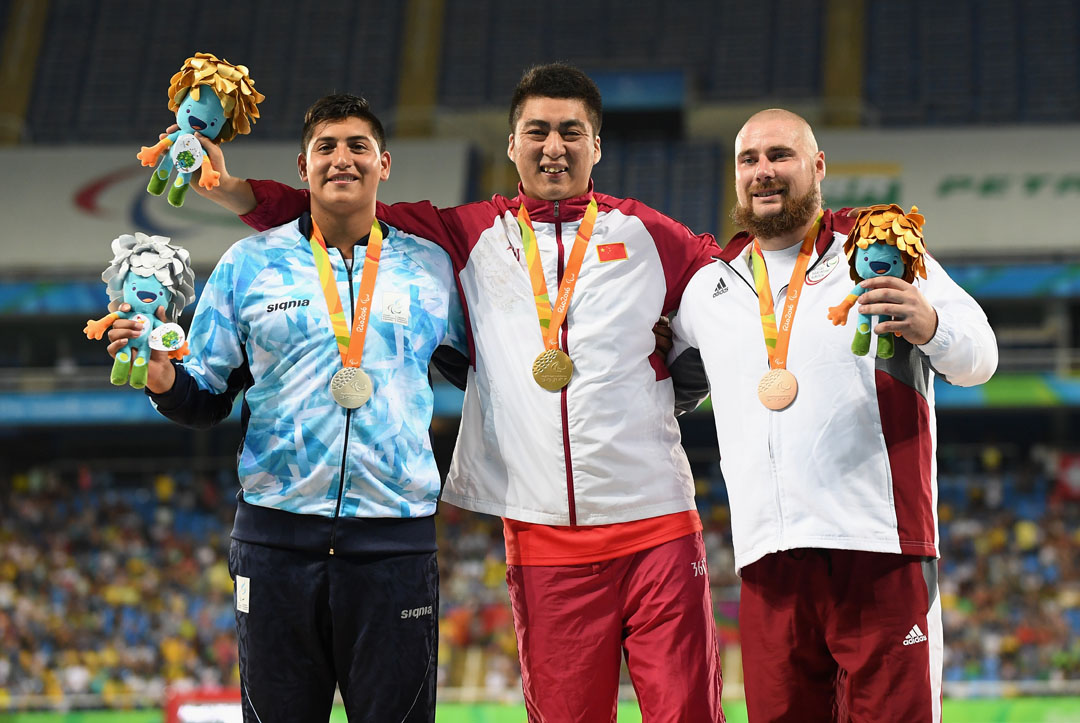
(307, 228)
(830, 222)
(570, 209)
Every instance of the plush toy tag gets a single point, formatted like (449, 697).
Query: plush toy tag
(167, 337)
(187, 154)
(144, 320)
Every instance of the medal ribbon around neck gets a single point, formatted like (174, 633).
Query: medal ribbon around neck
(777, 339)
(351, 346)
(551, 318)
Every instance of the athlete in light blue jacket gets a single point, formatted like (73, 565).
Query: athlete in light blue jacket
(333, 550)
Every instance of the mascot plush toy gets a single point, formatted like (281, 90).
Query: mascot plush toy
(885, 241)
(210, 96)
(146, 272)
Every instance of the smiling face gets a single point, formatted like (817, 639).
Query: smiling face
(144, 293)
(778, 174)
(343, 166)
(878, 259)
(204, 115)
(554, 148)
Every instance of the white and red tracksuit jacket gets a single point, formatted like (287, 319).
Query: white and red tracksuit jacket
(604, 449)
(851, 463)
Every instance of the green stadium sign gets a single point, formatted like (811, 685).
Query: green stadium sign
(995, 185)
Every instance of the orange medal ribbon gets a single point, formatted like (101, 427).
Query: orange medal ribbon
(777, 389)
(551, 319)
(778, 336)
(351, 347)
(553, 369)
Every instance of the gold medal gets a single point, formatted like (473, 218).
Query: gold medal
(552, 369)
(351, 387)
(777, 389)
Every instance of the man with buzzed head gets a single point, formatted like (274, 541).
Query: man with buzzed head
(831, 482)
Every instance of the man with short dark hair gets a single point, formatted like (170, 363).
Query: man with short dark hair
(828, 455)
(567, 430)
(328, 324)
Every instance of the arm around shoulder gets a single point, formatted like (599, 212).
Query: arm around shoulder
(684, 362)
(273, 204)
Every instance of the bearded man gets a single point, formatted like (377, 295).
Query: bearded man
(828, 457)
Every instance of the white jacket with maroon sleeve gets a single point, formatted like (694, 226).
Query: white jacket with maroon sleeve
(850, 464)
(606, 448)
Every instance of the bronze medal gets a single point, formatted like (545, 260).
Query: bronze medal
(351, 387)
(777, 389)
(552, 369)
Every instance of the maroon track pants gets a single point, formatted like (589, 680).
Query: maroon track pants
(575, 622)
(840, 635)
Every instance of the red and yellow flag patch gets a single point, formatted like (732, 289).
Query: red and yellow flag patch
(610, 252)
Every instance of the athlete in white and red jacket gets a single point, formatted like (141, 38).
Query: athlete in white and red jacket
(833, 498)
(604, 547)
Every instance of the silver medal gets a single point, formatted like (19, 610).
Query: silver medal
(351, 387)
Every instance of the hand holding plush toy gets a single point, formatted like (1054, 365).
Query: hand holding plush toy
(146, 272)
(884, 242)
(210, 96)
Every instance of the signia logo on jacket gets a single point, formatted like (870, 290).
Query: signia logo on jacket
(288, 304)
(416, 612)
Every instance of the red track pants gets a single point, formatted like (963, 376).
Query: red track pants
(840, 635)
(575, 622)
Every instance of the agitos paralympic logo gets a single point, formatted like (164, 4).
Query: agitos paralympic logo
(150, 214)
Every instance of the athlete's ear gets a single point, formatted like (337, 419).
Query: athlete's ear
(301, 166)
(384, 162)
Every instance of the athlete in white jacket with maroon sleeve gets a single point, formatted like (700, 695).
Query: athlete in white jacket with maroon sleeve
(833, 497)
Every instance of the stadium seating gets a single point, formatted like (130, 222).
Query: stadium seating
(114, 584)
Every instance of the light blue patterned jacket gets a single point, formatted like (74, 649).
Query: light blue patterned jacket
(262, 326)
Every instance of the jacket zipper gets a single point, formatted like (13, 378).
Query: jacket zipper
(772, 455)
(348, 420)
(571, 505)
(776, 486)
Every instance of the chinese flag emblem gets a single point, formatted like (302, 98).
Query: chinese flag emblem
(611, 252)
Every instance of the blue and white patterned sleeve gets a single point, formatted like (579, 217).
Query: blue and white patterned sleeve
(216, 369)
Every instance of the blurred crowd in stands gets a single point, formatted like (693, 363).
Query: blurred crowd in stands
(1010, 572)
(114, 587)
